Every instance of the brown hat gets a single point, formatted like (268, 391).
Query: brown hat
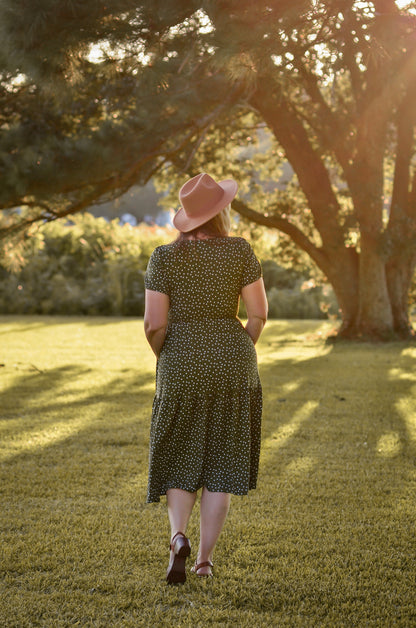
(202, 199)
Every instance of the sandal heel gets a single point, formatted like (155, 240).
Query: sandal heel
(181, 548)
(177, 574)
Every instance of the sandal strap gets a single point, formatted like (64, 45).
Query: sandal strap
(207, 563)
(172, 541)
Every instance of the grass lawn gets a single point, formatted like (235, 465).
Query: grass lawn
(327, 539)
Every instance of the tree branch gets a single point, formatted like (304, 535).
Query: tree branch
(412, 197)
(331, 131)
(393, 90)
(119, 184)
(386, 6)
(276, 222)
(349, 54)
(310, 170)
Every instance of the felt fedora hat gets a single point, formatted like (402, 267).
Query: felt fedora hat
(201, 199)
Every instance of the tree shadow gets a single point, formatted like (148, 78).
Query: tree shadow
(335, 482)
(28, 394)
(342, 406)
(333, 504)
(370, 380)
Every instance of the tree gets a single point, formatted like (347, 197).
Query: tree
(182, 85)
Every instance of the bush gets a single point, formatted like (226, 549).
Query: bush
(85, 266)
(276, 276)
(90, 266)
(292, 294)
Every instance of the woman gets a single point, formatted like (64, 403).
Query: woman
(205, 430)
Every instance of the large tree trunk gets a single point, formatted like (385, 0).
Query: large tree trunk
(399, 278)
(375, 317)
(401, 228)
(343, 275)
(372, 295)
(366, 179)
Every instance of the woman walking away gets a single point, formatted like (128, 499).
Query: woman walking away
(205, 429)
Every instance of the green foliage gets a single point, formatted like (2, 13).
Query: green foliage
(291, 294)
(170, 85)
(94, 100)
(88, 266)
(326, 539)
(73, 129)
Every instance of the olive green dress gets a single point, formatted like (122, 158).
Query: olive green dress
(206, 419)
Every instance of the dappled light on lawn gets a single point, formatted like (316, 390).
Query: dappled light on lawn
(406, 408)
(300, 466)
(389, 444)
(325, 540)
(32, 441)
(286, 431)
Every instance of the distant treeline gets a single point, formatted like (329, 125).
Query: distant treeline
(94, 267)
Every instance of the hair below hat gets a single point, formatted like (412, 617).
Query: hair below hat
(201, 199)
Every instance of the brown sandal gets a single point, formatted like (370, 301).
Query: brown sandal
(198, 566)
(180, 548)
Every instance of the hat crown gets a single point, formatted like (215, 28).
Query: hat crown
(200, 194)
(201, 199)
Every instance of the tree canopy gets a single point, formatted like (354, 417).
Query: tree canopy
(102, 95)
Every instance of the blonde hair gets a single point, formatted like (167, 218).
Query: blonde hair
(217, 227)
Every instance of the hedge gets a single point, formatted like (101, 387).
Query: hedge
(93, 267)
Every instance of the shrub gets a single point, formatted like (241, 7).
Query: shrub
(84, 266)
(90, 266)
(276, 276)
(291, 294)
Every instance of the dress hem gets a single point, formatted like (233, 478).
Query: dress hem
(163, 492)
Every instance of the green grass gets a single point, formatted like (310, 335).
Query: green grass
(327, 539)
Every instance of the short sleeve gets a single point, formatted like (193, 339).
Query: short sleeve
(251, 269)
(155, 277)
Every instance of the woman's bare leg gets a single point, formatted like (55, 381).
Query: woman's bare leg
(180, 504)
(214, 511)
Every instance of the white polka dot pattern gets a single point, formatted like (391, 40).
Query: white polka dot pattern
(206, 418)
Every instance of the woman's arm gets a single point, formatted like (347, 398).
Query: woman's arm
(254, 297)
(156, 319)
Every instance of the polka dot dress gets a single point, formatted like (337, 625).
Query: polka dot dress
(206, 419)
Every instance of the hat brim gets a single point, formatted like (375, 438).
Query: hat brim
(184, 223)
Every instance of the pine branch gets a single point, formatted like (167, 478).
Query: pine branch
(331, 130)
(120, 183)
(349, 54)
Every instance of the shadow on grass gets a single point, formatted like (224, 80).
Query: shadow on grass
(336, 484)
(47, 395)
(51, 420)
(326, 539)
(347, 390)
(341, 417)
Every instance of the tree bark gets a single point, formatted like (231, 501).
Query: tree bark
(343, 275)
(399, 277)
(340, 268)
(366, 178)
(306, 162)
(359, 283)
(401, 229)
(375, 316)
